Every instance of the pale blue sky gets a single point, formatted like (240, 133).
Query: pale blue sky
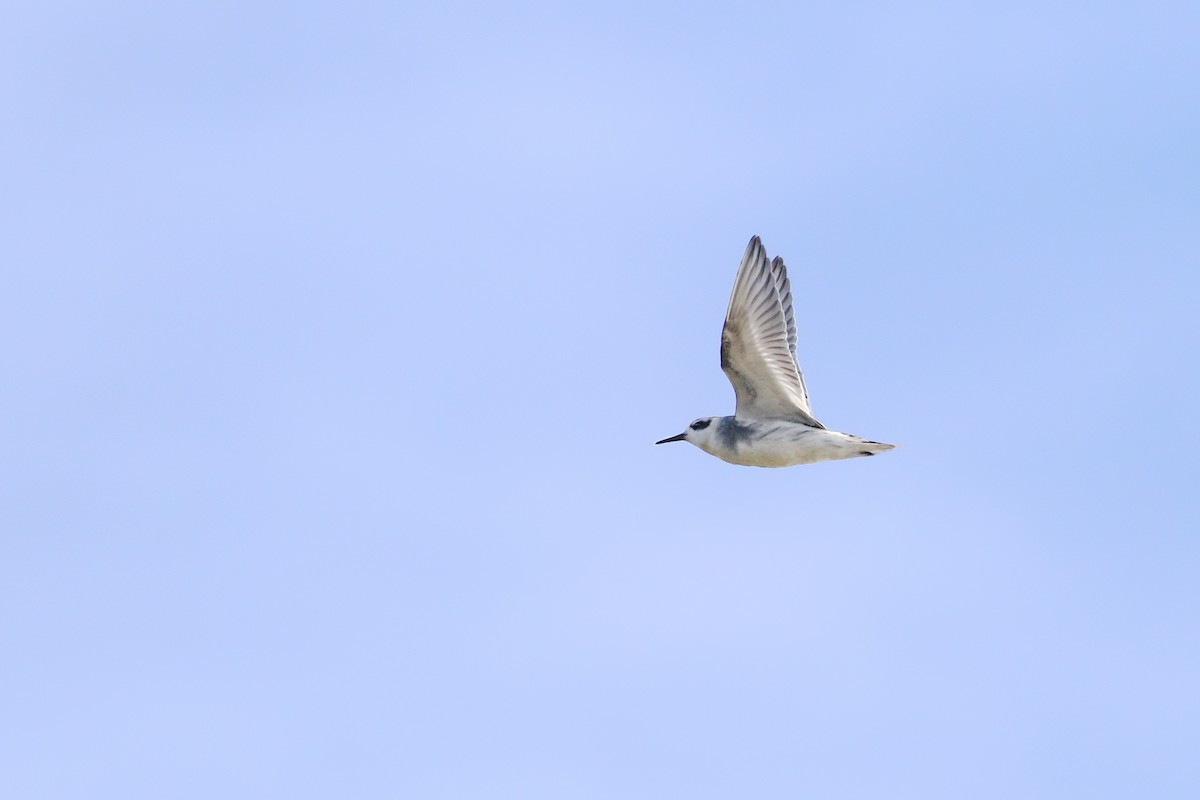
(336, 338)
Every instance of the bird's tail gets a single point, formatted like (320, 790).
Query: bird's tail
(869, 448)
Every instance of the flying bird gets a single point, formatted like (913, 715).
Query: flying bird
(773, 424)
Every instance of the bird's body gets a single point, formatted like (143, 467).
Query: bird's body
(780, 443)
(773, 425)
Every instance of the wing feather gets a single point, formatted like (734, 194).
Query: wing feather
(758, 343)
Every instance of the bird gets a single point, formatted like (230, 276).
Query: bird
(773, 424)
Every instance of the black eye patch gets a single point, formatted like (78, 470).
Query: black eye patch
(700, 424)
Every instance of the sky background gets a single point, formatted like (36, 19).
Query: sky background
(335, 339)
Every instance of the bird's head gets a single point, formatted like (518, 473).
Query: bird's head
(699, 433)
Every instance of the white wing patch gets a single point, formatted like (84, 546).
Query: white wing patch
(758, 343)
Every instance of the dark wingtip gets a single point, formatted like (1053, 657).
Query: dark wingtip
(755, 244)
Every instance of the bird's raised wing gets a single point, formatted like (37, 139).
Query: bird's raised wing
(758, 343)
